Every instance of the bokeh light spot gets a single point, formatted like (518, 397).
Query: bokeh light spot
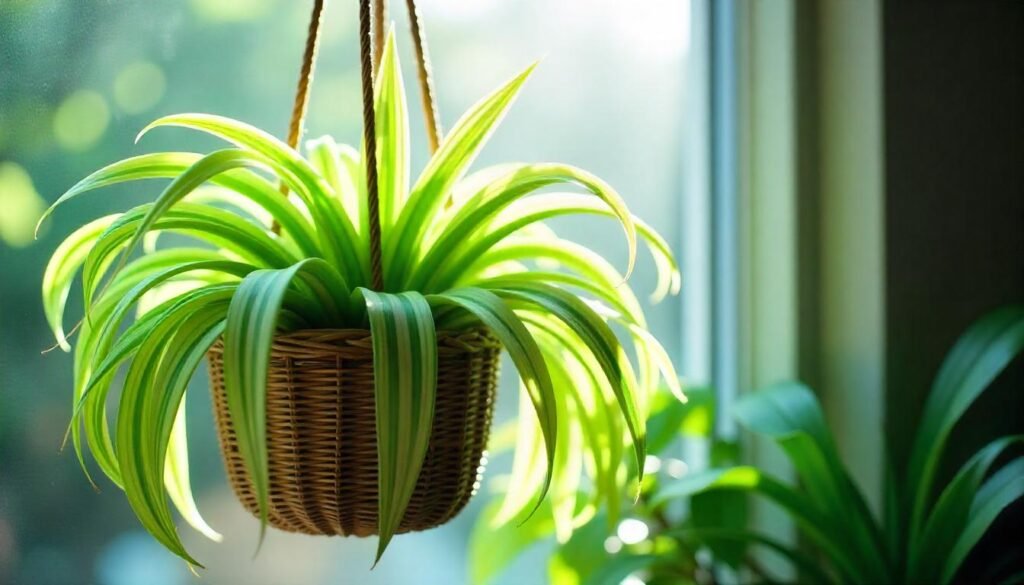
(676, 468)
(139, 86)
(632, 531)
(652, 465)
(80, 120)
(21, 205)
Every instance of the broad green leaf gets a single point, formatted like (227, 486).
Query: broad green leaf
(950, 515)
(519, 182)
(87, 347)
(541, 207)
(244, 240)
(142, 442)
(593, 399)
(493, 546)
(492, 311)
(177, 480)
(113, 319)
(995, 495)
(790, 415)
(601, 341)
(252, 321)
(527, 473)
(61, 271)
(978, 357)
(341, 167)
(91, 401)
(807, 566)
(622, 566)
(338, 236)
(671, 418)
(569, 255)
(814, 524)
(392, 126)
(98, 343)
(171, 165)
(722, 510)
(449, 163)
(583, 559)
(405, 382)
(203, 170)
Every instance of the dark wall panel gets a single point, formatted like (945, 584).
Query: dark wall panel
(954, 156)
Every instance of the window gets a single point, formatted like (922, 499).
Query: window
(621, 91)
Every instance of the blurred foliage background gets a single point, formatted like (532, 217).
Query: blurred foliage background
(78, 79)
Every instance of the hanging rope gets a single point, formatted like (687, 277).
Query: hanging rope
(380, 20)
(370, 143)
(301, 103)
(423, 69)
(430, 112)
(372, 19)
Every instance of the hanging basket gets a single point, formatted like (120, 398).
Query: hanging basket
(322, 440)
(321, 399)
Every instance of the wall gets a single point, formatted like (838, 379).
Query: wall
(954, 180)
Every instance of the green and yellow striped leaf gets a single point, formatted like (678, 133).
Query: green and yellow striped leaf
(405, 382)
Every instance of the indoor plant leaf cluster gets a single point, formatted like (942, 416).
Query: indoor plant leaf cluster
(458, 251)
(582, 555)
(927, 532)
(928, 528)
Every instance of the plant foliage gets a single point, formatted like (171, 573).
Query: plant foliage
(458, 252)
(929, 528)
(582, 555)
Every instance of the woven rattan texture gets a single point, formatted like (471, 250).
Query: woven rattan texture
(321, 433)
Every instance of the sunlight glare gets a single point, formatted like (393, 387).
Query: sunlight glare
(632, 531)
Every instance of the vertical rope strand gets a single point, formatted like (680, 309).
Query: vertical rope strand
(370, 142)
(380, 25)
(431, 116)
(301, 103)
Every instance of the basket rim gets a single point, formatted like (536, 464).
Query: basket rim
(330, 341)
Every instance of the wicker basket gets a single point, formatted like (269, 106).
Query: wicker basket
(322, 440)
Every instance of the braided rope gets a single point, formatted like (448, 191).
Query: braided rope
(430, 113)
(301, 103)
(380, 20)
(370, 142)
(372, 19)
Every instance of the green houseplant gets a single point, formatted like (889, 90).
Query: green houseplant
(928, 529)
(449, 253)
(586, 546)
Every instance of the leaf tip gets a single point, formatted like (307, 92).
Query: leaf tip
(263, 532)
(150, 126)
(39, 224)
(62, 343)
(382, 545)
(212, 534)
(522, 77)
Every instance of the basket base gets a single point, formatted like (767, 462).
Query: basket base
(321, 432)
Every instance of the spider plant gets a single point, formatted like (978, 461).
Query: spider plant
(929, 528)
(457, 251)
(581, 555)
